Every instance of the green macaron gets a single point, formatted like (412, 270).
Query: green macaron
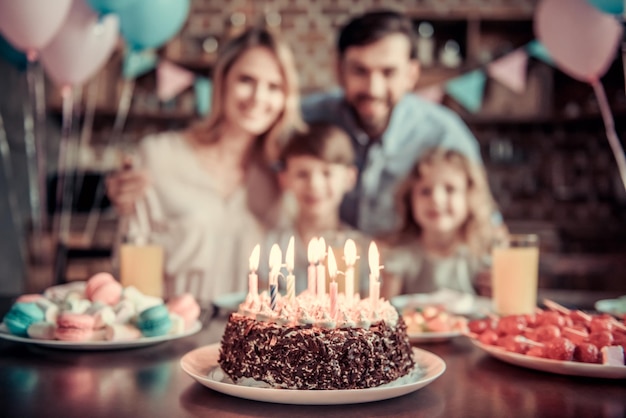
(154, 321)
(21, 316)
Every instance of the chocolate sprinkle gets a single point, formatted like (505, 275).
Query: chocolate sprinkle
(310, 357)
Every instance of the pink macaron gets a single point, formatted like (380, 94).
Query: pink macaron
(74, 327)
(30, 297)
(185, 306)
(103, 287)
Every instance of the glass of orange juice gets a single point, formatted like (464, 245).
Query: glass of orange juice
(514, 271)
(141, 266)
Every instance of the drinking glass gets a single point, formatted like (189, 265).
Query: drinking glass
(515, 265)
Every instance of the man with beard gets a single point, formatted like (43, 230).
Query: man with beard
(390, 127)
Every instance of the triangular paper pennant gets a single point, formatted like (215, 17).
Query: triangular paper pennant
(468, 89)
(433, 93)
(510, 70)
(537, 50)
(137, 63)
(172, 80)
(203, 90)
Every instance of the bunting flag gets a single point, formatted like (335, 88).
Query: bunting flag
(137, 63)
(172, 80)
(468, 89)
(433, 93)
(537, 50)
(510, 70)
(203, 90)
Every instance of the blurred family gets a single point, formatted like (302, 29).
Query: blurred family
(373, 161)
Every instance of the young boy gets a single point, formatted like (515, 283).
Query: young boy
(317, 170)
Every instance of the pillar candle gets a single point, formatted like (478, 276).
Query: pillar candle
(253, 279)
(374, 264)
(321, 267)
(332, 291)
(333, 298)
(349, 255)
(276, 258)
(312, 271)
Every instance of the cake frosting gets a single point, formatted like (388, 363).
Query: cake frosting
(300, 344)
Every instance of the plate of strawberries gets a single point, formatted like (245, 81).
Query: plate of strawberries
(556, 340)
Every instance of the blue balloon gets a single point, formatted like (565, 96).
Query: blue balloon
(109, 6)
(614, 7)
(13, 56)
(151, 23)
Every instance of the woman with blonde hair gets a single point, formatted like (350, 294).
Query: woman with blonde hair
(209, 191)
(447, 228)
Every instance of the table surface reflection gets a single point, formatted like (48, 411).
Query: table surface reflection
(37, 381)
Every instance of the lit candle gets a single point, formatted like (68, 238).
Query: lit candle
(253, 279)
(276, 257)
(374, 263)
(349, 255)
(311, 271)
(291, 279)
(321, 267)
(332, 288)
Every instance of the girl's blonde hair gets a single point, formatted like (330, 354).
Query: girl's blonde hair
(290, 119)
(478, 231)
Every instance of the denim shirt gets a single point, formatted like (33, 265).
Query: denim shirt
(415, 126)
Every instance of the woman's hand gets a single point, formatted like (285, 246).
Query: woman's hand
(126, 187)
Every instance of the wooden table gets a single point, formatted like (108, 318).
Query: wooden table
(148, 382)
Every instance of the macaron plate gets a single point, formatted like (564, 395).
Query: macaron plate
(99, 345)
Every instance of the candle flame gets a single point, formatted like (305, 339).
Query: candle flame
(374, 259)
(349, 252)
(289, 257)
(321, 249)
(312, 251)
(332, 263)
(276, 257)
(254, 258)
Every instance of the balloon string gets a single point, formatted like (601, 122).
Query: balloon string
(65, 170)
(609, 126)
(87, 128)
(30, 148)
(5, 152)
(123, 108)
(40, 142)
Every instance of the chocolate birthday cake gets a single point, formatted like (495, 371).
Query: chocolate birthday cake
(300, 345)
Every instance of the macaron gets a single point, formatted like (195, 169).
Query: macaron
(30, 297)
(74, 327)
(21, 316)
(186, 307)
(154, 321)
(103, 287)
(121, 332)
(42, 330)
(59, 292)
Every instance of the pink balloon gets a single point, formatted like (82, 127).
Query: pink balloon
(30, 24)
(81, 47)
(581, 39)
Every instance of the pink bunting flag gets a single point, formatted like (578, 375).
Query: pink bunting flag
(433, 93)
(510, 70)
(172, 80)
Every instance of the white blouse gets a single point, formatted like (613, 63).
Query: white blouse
(206, 238)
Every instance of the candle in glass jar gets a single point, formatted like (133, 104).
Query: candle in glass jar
(349, 255)
(253, 279)
(321, 268)
(312, 271)
(332, 287)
